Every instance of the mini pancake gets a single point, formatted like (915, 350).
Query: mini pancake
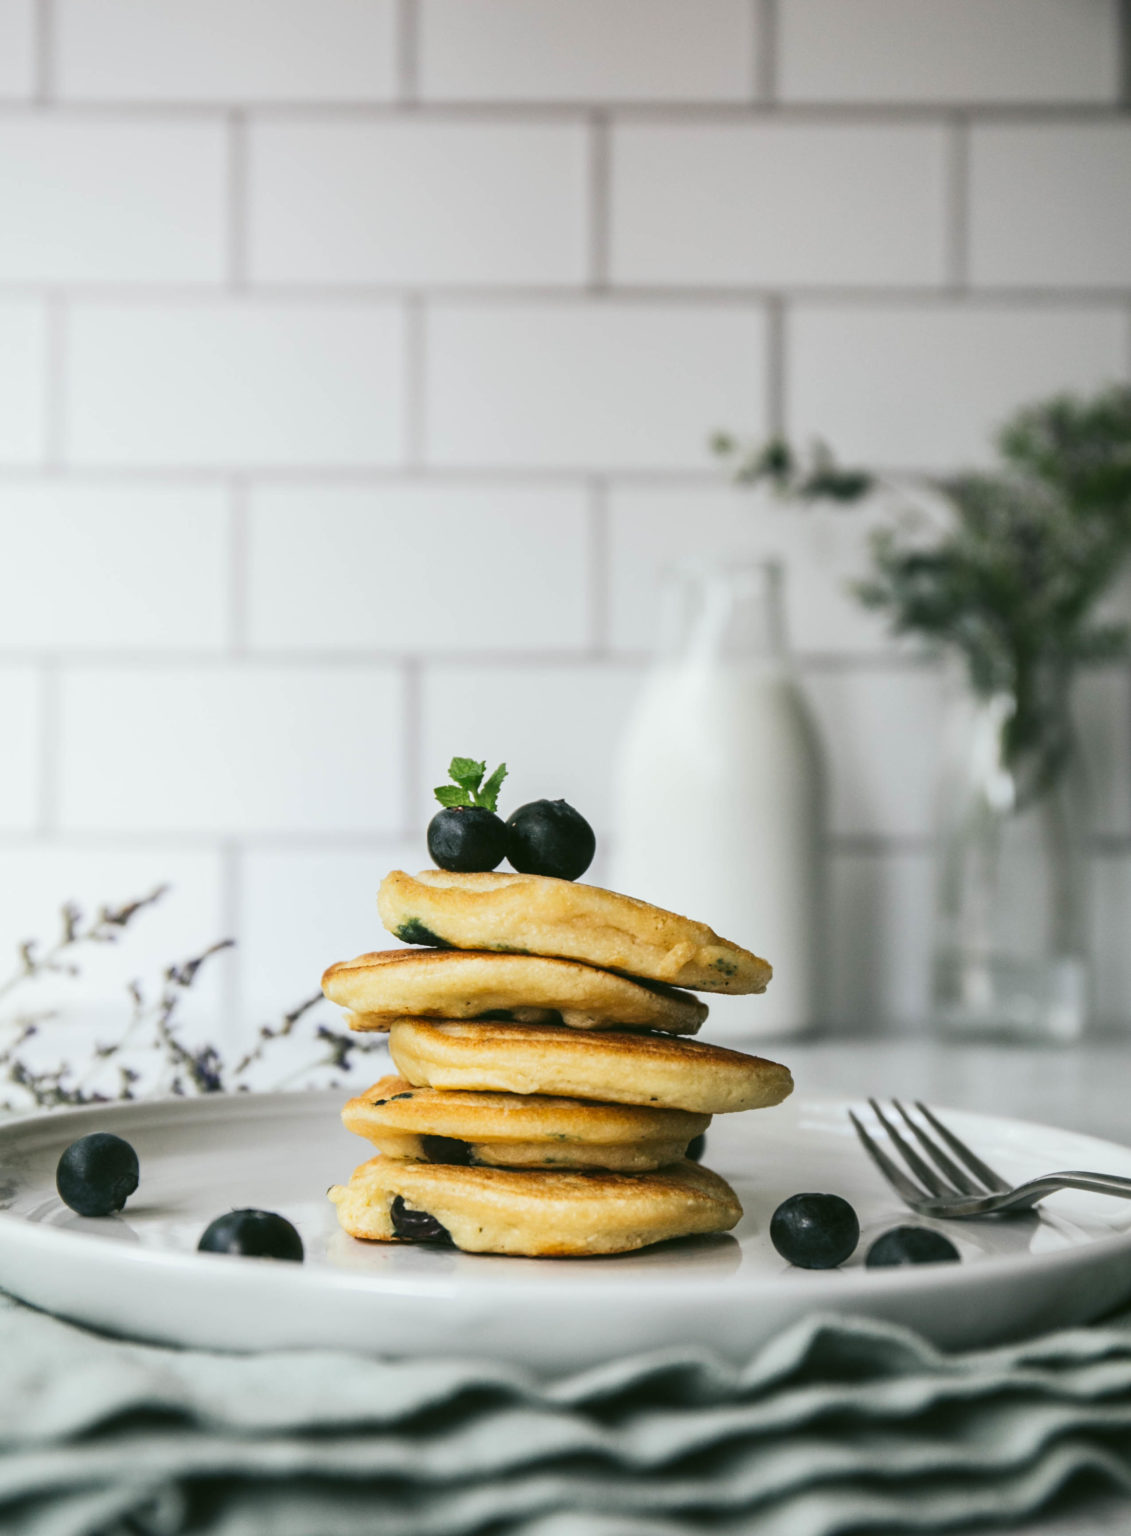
(555, 1214)
(616, 1068)
(467, 984)
(538, 915)
(507, 1130)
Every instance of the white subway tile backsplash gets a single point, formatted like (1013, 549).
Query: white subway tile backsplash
(589, 385)
(702, 203)
(165, 182)
(948, 50)
(188, 919)
(23, 381)
(21, 763)
(233, 383)
(417, 567)
(555, 727)
(114, 566)
(602, 50)
(881, 733)
(1051, 203)
(418, 202)
(294, 508)
(926, 388)
(17, 48)
(822, 550)
(252, 749)
(880, 909)
(303, 909)
(226, 50)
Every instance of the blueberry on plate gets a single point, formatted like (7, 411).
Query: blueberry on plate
(466, 838)
(548, 837)
(911, 1245)
(97, 1174)
(815, 1231)
(253, 1235)
(696, 1147)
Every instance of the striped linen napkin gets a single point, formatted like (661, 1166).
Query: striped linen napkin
(838, 1425)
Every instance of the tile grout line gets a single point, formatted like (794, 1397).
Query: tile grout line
(536, 110)
(55, 383)
(408, 54)
(414, 446)
(776, 366)
(362, 658)
(766, 34)
(231, 904)
(238, 570)
(50, 746)
(986, 296)
(237, 199)
(413, 747)
(597, 584)
(957, 205)
(599, 207)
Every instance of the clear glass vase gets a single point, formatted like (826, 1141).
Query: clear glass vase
(1010, 954)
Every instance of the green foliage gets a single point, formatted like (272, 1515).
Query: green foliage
(468, 787)
(818, 477)
(1011, 585)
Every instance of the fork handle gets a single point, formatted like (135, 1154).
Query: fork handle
(1094, 1183)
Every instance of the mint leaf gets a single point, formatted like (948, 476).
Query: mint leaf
(452, 794)
(468, 788)
(467, 772)
(489, 794)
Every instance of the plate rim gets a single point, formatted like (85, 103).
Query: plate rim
(857, 1281)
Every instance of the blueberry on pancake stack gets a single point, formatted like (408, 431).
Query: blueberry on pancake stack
(548, 1090)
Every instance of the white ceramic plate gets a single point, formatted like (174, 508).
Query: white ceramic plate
(138, 1274)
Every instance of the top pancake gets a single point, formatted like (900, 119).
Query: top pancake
(535, 914)
(467, 984)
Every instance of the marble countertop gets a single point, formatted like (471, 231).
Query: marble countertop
(1084, 1087)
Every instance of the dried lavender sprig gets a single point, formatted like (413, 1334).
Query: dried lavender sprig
(105, 928)
(185, 1070)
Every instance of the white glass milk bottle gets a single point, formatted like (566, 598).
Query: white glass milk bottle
(718, 791)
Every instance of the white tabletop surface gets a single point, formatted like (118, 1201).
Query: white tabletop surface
(1086, 1087)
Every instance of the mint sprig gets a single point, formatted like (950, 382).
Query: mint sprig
(468, 787)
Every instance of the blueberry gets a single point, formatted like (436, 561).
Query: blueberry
(252, 1235)
(446, 1149)
(815, 1231)
(911, 1245)
(97, 1174)
(548, 837)
(466, 838)
(696, 1147)
(416, 1226)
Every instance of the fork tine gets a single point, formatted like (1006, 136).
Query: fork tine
(903, 1186)
(975, 1164)
(949, 1167)
(922, 1171)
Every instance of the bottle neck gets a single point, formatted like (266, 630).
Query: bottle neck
(725, 613)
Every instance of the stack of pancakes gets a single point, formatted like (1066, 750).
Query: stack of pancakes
(547, 1091)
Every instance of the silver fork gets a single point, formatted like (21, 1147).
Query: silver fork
(968, 1187)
